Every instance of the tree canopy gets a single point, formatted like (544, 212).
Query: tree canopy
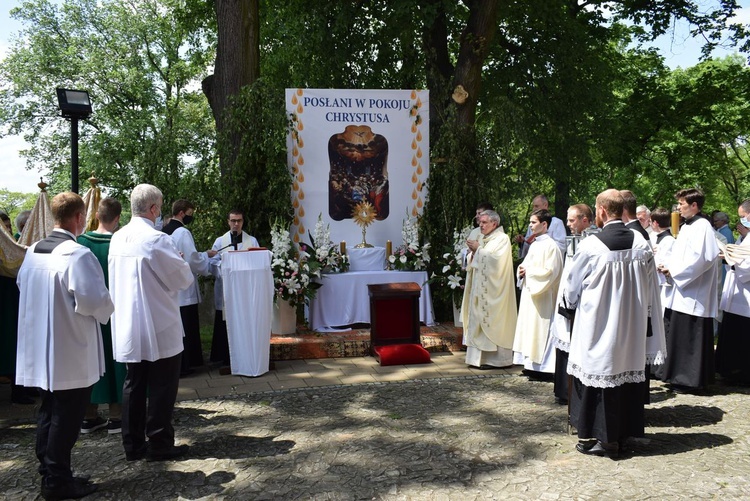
(561, 97)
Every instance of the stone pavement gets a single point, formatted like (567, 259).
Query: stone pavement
(349, 429)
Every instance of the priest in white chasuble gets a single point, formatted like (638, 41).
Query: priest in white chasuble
(489, 302)
(538, 278)
(610, 286)
(63, 299)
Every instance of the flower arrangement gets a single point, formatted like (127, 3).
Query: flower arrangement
(411, 255)
(322, 249)
(292, 269)
(452, 277)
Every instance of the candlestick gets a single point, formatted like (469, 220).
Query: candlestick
(675, 223)
(388, 248)
(342, 247)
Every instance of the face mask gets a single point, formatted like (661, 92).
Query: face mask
(744, 222)
(158, 223)
(187, 219)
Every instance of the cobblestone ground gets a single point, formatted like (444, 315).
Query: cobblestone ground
(496, 437)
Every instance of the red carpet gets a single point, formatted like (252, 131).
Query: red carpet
(306, 344)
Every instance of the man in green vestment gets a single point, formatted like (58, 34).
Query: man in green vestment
(108, 390)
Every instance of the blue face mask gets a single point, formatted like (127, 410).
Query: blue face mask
(158, 223)
(744, 222)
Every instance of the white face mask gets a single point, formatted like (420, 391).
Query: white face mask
(744, 222)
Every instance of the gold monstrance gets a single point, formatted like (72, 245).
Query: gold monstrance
(363, 214)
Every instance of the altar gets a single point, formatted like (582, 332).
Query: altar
(343, 299)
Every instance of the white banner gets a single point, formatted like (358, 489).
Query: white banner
(350, 146)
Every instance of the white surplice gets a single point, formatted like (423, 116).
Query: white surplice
(59, 338)
(693, 265)
(145, 274)
(543, 265)
(198, 261)
(613, 292)
(735, 297)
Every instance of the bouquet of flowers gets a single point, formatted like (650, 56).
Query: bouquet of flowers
(452, 277)
(322, 249)
(293, 270)
(411, 255)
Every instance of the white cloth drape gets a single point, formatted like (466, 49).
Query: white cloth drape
(248, 308)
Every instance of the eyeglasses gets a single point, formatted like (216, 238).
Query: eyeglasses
(235, 220)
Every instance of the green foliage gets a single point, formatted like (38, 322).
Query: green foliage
(141, 68)
(13, 202)
(259, 182)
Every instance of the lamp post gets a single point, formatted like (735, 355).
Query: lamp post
(75, 105)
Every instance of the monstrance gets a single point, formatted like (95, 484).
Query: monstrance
(363, 214)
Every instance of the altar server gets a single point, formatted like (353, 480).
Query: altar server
(733, 348)
(200, 263)
(489, 302)
(693, 267)
(538, 277)
(609, 287)
(145, 274)
(63, 300)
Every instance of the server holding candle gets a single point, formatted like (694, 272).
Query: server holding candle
(693, 266)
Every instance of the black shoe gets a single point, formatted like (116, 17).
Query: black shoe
(174, 452)
(598, 449)
(69, 490)
(561, 401)
(82, 479)
(91, 425)
(137, 454)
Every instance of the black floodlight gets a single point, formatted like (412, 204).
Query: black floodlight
(74, 103)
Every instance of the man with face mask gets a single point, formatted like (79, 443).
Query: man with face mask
(63, 300)
(733, 346)
(190, 298)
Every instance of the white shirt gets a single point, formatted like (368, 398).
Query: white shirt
(222, 242)
(63, 300)
(145, 274)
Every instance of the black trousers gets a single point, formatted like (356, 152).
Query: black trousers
(193, 353)
(220, 340)
(58, 425)
(157, 381)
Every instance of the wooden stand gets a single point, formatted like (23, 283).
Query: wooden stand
(394, 313)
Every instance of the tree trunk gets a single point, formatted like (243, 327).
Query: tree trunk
(475, 43)
(237, 64)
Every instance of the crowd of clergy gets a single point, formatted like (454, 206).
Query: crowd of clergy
(628, 296)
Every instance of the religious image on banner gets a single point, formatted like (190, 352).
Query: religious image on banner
(359, 172)
(348, 147)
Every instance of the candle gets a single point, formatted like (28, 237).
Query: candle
(343, 248)
(675, 223)
(388, 248)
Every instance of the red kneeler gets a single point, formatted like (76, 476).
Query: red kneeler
(394, 324)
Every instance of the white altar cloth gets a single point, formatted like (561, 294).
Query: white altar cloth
(248, 309)
(344, 298)
(367, 259)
